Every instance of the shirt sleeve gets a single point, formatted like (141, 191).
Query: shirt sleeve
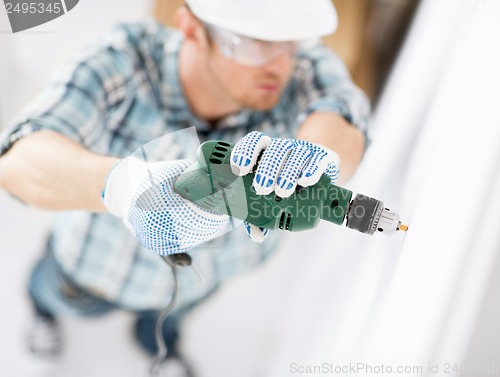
(76, 101)
(325, 85)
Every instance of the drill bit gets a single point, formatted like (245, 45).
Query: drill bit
(402, 227)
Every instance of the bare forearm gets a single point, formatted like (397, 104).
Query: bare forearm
(50, 171)
(334, 132)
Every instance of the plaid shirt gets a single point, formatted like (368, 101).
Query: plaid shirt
(124, 92)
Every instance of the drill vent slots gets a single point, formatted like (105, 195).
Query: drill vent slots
(285, 220)
(219, 153)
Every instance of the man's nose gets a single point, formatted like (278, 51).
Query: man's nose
(280, 63)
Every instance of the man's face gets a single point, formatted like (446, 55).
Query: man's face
(258, 88)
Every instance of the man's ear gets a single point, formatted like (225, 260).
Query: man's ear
(190, 26)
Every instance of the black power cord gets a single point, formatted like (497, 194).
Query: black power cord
(175, 261)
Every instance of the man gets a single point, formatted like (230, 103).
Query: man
(231, 68)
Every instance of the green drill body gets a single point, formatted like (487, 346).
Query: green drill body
(210, 183)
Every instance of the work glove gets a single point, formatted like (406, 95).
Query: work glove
(142, 195)
(283, 165)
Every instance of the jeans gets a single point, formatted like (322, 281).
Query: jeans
(54, 295)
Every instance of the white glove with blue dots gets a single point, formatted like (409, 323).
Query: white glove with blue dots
(284, 165)
(142, 194)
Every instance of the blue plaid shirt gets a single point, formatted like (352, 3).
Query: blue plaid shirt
(124, 92)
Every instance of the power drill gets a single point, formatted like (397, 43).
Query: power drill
(210, 183)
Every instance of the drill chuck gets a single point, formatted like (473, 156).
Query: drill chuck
(368, 215)
(211, 184)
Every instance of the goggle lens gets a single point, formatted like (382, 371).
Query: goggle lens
(248, 51)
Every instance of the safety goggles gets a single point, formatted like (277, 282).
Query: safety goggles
(249, 51)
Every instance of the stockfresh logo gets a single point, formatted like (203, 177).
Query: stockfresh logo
(26, 14)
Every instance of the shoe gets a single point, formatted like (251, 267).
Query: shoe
(44, 339)
(172, 366)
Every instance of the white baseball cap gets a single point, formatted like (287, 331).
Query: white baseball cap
(269, 20)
